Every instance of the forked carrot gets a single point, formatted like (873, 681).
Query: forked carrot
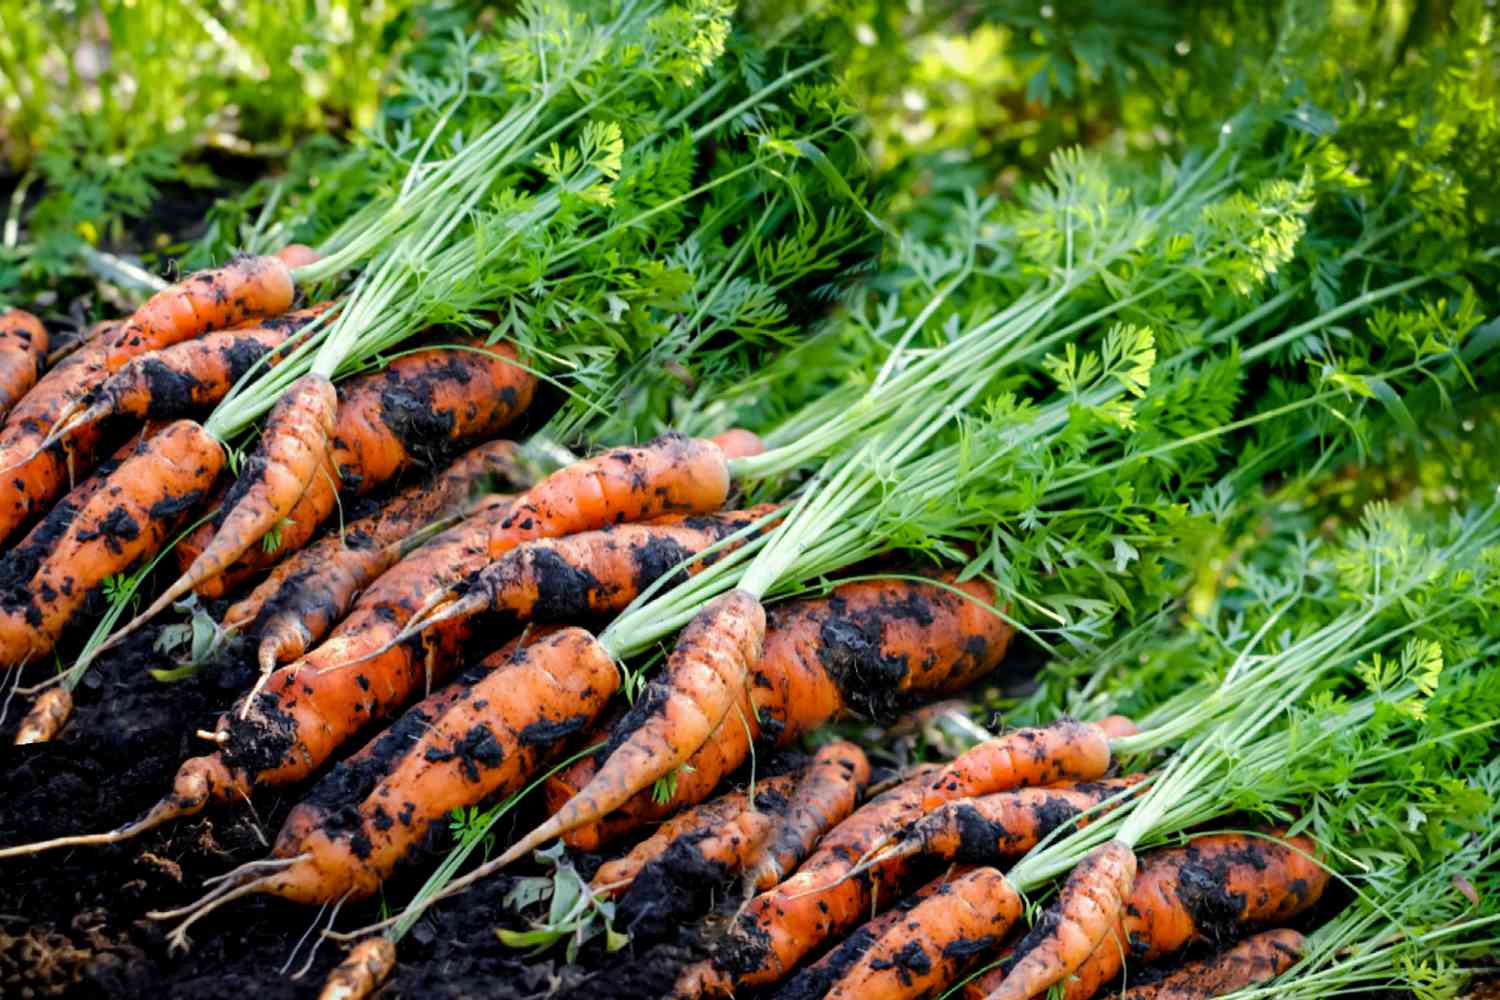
(824, 798)
(23, 355)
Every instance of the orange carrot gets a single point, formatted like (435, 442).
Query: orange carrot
(706, 676)
(362, 972)
(1062, 751)
(870, 648)
(739, 443)
(23, 355)
(930, 948)
(1087, 907)
(309, 592)
(126, 518)
(825, 797)
(48, 713)
(246, 288)
(1256, 960)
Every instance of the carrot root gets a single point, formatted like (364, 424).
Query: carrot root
(48, 715)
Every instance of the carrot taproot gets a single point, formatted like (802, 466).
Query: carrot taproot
(293, 445)
(23, 355)
(126, 518)
(246, 288)
(615, 876)
(932, 945)
(362, 971)
(779, 927)
(1258, 959)
(830, 791)
(706, 675)
(46, 717)
(412, 412)
(868, 648)
(1065, 750)
(812, 982)
(1213, 887)
(1087, 907)
(306, 594)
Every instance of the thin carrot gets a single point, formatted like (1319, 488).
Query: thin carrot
(1256, 960)
(129, 516)
(739, 443)
(1064, 750)
(1087, 907)
(292, 446)
(931, 946)
(869, 648)
(48, 713)
(361, 973)
(824, 798)
(247, 288)
(614, 877)
(306, 594)
(706, 676)
(23, 355)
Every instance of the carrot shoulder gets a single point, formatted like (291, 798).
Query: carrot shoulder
(823, 799)
(23, 355)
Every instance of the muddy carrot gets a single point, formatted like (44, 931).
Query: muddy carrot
(1065, 750)
(361, 973)
(834, 782)
(1256, 960)
(931, 946)
(48, 713)
(23, 356)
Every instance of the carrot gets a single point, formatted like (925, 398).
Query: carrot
(48, 713)
(828, 794)
(291, 447)
(362, 972)
(1061, 751)
(1213, 888)
(306, 594)
(869, 648)
(739, 443)
(778, 928)
(706, 676)
(691, 825)
(23, 355)
(1256, 960)
(295, 255)
(127, 517)
(247, 288)
(1086, 909)
(175, 381)
(936, 941)
(67, 344)
(486, 742)
(812, 982)
(411, 412)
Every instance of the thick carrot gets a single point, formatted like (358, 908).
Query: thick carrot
(128, 517)
(1065, 750)
(1256, 960)
(414, 411)
(1214, 887)
(869, 648)
(247, 288)
(812, 982)
(1087, 907)
(824, 798)
(691, 826)
(778, 928)
(930, 948)
(23, 355)
(291, 448)
(306, 594)
(706, 676)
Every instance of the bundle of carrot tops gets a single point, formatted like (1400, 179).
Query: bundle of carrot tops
(626, 449)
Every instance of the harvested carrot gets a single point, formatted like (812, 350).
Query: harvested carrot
(292, 446)
(936, 941)
(295, 255)
(812, 982)
(247, 288)
(614, 877)
(65, 345)
(362, 972)
(778, 928)
(825, 797)
(308, 593)
(739, 443)
(412, 412)
(706, 676)
(1064, 750)
(128, 516)
(1256, 960)
(23, 355)
(48, 713)
(1087, 907)
(1214, 888)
